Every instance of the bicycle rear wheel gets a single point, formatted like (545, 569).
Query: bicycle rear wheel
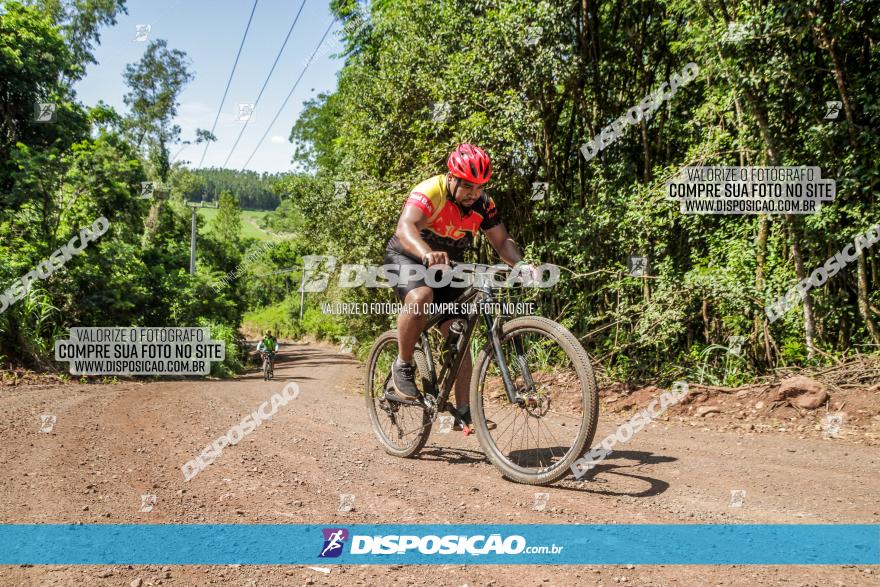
(401, 429)
(538, 437)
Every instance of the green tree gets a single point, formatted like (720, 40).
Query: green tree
(80, 22)
(155, 84)
(227, 223)
(531, 82)
(59, 176)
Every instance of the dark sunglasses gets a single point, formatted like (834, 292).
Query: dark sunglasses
(471, 186)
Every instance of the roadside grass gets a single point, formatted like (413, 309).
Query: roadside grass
(283, 320)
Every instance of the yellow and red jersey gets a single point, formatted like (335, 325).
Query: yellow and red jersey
(448, 229)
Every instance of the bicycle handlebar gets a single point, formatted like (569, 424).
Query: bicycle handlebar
(452, 264)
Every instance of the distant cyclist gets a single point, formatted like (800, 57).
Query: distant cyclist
(438, 223)
(269, 345)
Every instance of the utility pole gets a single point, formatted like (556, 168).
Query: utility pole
(192, 242)
(192, 236)
(302, 294)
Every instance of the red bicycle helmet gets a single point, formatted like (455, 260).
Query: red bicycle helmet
(470, 163)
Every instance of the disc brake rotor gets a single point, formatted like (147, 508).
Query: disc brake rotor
(535, 404)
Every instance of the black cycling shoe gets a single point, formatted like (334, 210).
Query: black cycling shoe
(403, 381)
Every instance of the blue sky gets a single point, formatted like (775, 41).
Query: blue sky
(209, 32)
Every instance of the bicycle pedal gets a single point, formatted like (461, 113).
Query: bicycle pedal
(392, 398)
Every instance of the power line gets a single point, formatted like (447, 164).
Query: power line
(265, 83)
(295, 84)
(229, 81)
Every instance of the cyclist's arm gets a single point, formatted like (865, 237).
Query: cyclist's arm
(259, 346)
(407, 232)
(505, 246)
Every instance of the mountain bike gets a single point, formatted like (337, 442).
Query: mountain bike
(268, 365)
(532, 378)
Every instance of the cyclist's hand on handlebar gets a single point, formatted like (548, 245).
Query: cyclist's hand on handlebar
(435, 258)
(529, 272)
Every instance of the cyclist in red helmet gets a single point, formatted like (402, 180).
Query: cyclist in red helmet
(438, 223)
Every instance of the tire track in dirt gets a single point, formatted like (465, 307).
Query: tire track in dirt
(113, 443)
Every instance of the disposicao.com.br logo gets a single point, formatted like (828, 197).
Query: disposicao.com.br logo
(334, 541)
(476, 545)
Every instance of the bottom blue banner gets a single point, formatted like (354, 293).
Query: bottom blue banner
(382, 544)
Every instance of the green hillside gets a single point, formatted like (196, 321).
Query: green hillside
(250, 220)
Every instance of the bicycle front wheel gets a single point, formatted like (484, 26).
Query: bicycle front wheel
(554, 417)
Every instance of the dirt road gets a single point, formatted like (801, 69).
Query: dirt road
(111, 444)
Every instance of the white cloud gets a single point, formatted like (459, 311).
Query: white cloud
(194, 114)
(277, 140)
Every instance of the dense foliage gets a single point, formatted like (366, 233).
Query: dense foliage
(528, 81)
(59, 175)
(531, 82)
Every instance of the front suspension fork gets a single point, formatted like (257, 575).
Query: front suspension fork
(495, 345)
(493, 328)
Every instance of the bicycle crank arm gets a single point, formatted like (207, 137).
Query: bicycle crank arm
(414, 402)
(467, 429)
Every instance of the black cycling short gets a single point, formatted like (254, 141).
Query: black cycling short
(442, 295)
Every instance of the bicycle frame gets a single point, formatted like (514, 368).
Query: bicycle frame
(268, 356)
(449, 370)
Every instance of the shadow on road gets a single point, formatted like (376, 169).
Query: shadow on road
(592, 482)
(340, 360)
(452, 455)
